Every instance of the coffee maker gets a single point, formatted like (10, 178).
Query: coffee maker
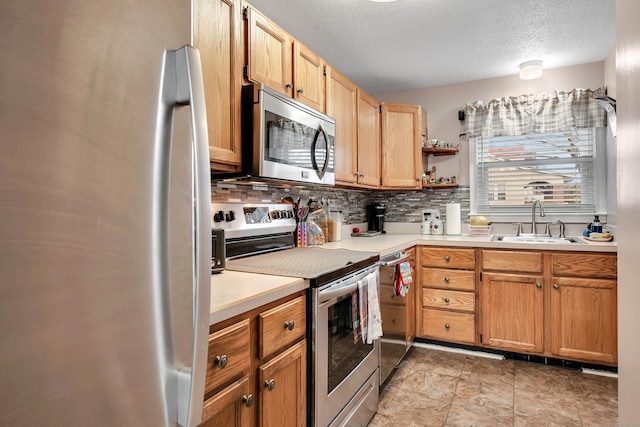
(376, 217)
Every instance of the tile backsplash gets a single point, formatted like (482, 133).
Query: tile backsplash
(402, 206)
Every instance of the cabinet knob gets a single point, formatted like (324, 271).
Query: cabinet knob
(447, 326)
(446, 300)
(446, 258)
(539, 285)
(300, 91)
(221, 361)
(247, 400)
(556, 286)
(289, 85)
(289, 325)
(446, 279)
(270, 384)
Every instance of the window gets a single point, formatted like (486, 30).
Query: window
(565, 170)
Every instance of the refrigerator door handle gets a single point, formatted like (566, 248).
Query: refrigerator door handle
(182, 84)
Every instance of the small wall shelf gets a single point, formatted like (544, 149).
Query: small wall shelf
(437, 151)
(439, 186)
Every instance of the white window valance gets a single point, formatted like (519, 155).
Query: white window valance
(535, 114)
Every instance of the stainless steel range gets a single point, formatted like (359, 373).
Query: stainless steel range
(343, 372)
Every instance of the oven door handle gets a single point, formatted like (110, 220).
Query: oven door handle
(332, 293)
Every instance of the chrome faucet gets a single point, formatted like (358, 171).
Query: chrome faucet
(561, 233)
(533, 215)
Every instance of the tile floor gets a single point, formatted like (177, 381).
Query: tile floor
(438, 388)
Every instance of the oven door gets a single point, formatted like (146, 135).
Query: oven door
(342, 365)
(297, 142)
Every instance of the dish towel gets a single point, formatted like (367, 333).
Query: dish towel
(363, 307)
(374, 327)
(355, 316)
(402, 280)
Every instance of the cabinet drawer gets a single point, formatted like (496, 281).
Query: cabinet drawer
(282, 326)
(530, 262)
(228, 355)
(449, 326)
(449, 279)
(394, 320)
(451, 300)
(585, 265)
(449, 258)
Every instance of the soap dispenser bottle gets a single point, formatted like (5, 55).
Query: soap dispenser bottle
(596, 226)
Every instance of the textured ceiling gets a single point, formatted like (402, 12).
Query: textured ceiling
(410, 44)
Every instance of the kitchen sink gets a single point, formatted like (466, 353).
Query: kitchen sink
(536, 239)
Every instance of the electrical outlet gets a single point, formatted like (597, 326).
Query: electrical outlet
(461, 115)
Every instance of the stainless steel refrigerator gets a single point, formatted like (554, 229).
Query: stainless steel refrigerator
(105, 226)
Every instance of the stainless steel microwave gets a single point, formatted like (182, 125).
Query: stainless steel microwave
(283, 139)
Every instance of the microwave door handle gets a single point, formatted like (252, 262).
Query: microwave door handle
(327, 152)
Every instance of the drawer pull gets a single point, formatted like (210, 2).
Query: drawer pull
(247, 400)
(289, 85)
(300, 91)
(539, 285)
(289, 325)
(270, 384)
(221, 361)
(446, 300)
(446, 279)
(447, 326)
(446, 258)
(555, 286)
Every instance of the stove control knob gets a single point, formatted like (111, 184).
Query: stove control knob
(274, 214)
(230, 216)
(218, 216)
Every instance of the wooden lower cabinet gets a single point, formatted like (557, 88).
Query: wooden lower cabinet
(282, 383)
(231, 407)
(447, 301)
(556, 304)
(584, 316)
(256, 371)
(512, 312)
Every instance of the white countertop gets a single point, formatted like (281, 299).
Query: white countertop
(234, 292)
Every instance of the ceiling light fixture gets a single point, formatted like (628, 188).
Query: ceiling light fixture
(531, 70)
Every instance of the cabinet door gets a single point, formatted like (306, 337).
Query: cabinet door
(368, 146)
(512, 312)
(217, 34)
(232, 407)
(341, 105)
(282, 383)
(270, 52)
(308, 71)
(584, 319)
(401, 162)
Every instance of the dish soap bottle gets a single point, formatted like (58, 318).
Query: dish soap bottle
(596, 226)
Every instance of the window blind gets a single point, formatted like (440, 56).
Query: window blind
(557, 168)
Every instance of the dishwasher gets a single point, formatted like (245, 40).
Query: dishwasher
(393, 309)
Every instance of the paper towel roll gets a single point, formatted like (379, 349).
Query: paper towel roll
(453, 218)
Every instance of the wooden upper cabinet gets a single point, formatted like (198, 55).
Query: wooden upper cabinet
(309, 79)
(341, 105)
(269, 53)
(217, 34)
(368, 145)
(401, 152)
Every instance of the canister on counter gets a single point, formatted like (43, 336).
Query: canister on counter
(425, 227)
(437, 226)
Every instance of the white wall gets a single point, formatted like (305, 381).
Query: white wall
(443, 102)
(628, 91)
